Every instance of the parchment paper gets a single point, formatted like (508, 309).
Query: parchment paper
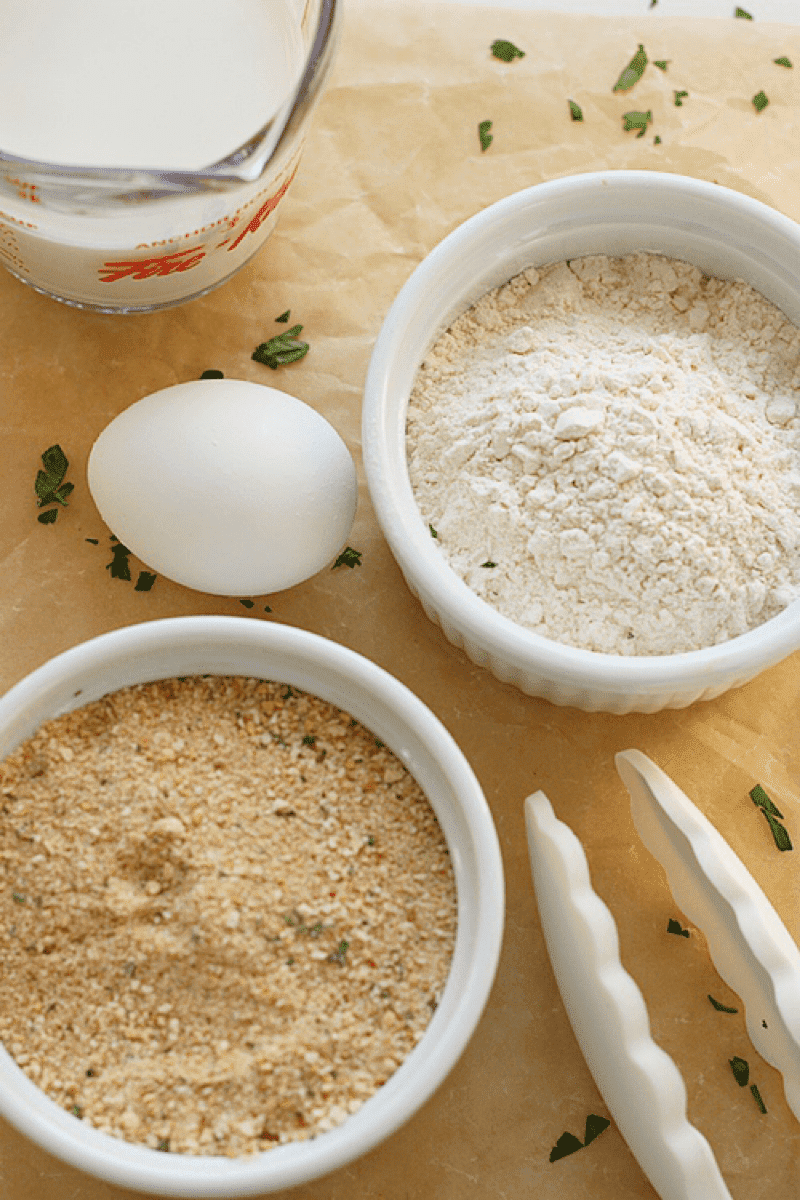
(392, 164)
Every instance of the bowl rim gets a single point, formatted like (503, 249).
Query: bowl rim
(208, 640)
(385, 461)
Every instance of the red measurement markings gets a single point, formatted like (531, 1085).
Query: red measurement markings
(25, 190)
(258, 218)
(146, 268)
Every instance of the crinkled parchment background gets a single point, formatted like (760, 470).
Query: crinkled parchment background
(392, 164)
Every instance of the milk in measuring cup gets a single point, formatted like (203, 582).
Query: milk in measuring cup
(161, 85)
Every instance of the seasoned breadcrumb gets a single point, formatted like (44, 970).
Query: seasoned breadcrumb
(226, 913)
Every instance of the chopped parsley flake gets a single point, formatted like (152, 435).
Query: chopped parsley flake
(673, 926)
(506, 51)
(637, 120)
(656, 142)
(568, 1143)
(488, 563)
(743, 13)
(661, 63)
(119, 566)
(434, 534)
(348, 558)
(284, 317)
(721, 1007)
(145, 581)
(484, 136)
(679, 98)
(760, 101)
(247, 603)
(633, 72)
(772, 813)
(757, 1097)
(49, 485)
(741, 1070)
(212, 374)
(783, 61)
(282, 349)
(575, 110)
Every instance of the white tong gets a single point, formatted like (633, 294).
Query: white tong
(749, 945)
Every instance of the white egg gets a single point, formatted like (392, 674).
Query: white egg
(226, 486)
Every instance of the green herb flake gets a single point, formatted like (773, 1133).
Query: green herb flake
(282, 349)
(348, 558)
(779, 833)
(434, 534)
(163, 1145)
(212, 374)
(145, 581)
(309, 739)
(76, 1111)
(506, 51)
(94, 541)
(661, 63)
(743, 14)
(49, 485)
(568, 1143)
(679, 98)
(783, 61)
(762, 800)
(119, 566)
(247, 603)
(771, 812)
(656, 140)
(760, 101)
(489, 563)
(48, 517)
(575, 110)
(484, 136)
(637, 120)
(283, 319)
(633, 72)
(18, 898)
(673, 926)
(339, 953)
(741, 1070)
(757, 1097)
(594, 1127)
(721, 1007)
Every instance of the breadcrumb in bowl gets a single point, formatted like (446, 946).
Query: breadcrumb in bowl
(311, 668)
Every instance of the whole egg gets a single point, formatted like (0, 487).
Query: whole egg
(225, 486)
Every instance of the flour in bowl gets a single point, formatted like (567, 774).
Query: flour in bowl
(607, 452)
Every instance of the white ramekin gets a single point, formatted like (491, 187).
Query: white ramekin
(615, 212)
(241, 646)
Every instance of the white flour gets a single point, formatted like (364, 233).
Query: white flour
(620, 437)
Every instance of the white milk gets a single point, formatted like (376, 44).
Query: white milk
(175, 84)
(170, 85)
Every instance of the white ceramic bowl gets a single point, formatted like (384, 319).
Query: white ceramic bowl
(617, 212)
(242, 646)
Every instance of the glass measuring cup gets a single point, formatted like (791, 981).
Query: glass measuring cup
(120, 238)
